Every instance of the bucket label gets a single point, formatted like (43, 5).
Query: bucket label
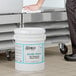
(29, 53)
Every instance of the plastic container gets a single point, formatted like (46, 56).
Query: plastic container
(29, 49)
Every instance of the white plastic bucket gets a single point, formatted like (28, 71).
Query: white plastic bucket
(29, 49)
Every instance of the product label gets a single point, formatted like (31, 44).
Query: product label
(29, 53)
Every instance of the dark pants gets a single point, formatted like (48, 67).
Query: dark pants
(71, 14)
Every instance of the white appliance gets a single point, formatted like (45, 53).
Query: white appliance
(11, 6)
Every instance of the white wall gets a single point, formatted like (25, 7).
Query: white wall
(29, 2)
(11, 6)
(54, 3)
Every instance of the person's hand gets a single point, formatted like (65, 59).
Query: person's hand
(33, 7)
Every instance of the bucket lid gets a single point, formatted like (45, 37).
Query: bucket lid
(30, 30)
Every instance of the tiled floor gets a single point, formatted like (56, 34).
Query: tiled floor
(55, 66)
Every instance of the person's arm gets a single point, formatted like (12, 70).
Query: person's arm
(40, 2)
(34, 6)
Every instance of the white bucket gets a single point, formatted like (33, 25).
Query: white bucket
(29, 49)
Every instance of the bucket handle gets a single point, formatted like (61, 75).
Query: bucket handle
(21, 21)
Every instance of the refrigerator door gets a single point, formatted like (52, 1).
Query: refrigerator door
(11, 6)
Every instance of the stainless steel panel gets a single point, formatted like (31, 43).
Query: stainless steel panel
(9, 19)
(6, 45)
(6, 36)
(7, 28)
(45, 17)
